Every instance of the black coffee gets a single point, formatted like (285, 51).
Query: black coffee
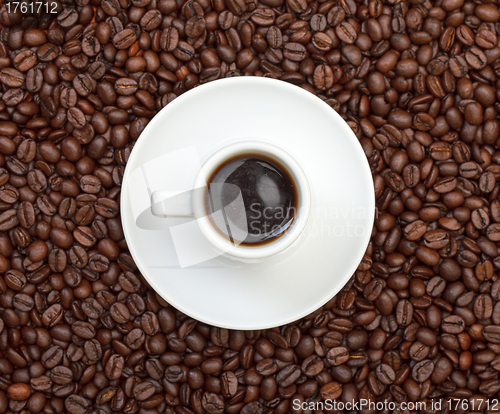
(251, 199)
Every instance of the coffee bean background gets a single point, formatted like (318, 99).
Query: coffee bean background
(417, 81)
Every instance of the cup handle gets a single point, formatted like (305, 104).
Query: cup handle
(168, 203)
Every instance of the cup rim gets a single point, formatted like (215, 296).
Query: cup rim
(303, 208)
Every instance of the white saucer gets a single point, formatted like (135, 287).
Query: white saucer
(226, 292)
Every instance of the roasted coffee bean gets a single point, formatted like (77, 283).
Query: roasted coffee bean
(83, 329)
(114, 367)
(346, 32)
(83, 86)
(331, 390)
(143, 391)
(25, 60)
(312, 366)
(125, 86)
(11, 77)
(124, 39)
(18, 391)
(337, 356)
(183, 51)
(23, 302)
(61, 375)
(288, 375)
(15, 280)
(229, 384)
(8, 220)
(492, 334)
(385, 374)
(169, 39)
(52, 315)
(76, 404)
(453, 324)
(296, 52)
(41, 384)
(119, 312)
(51, 357)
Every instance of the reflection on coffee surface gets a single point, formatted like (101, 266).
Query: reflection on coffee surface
(251, 199)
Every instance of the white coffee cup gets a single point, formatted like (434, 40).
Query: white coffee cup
(192, 203)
